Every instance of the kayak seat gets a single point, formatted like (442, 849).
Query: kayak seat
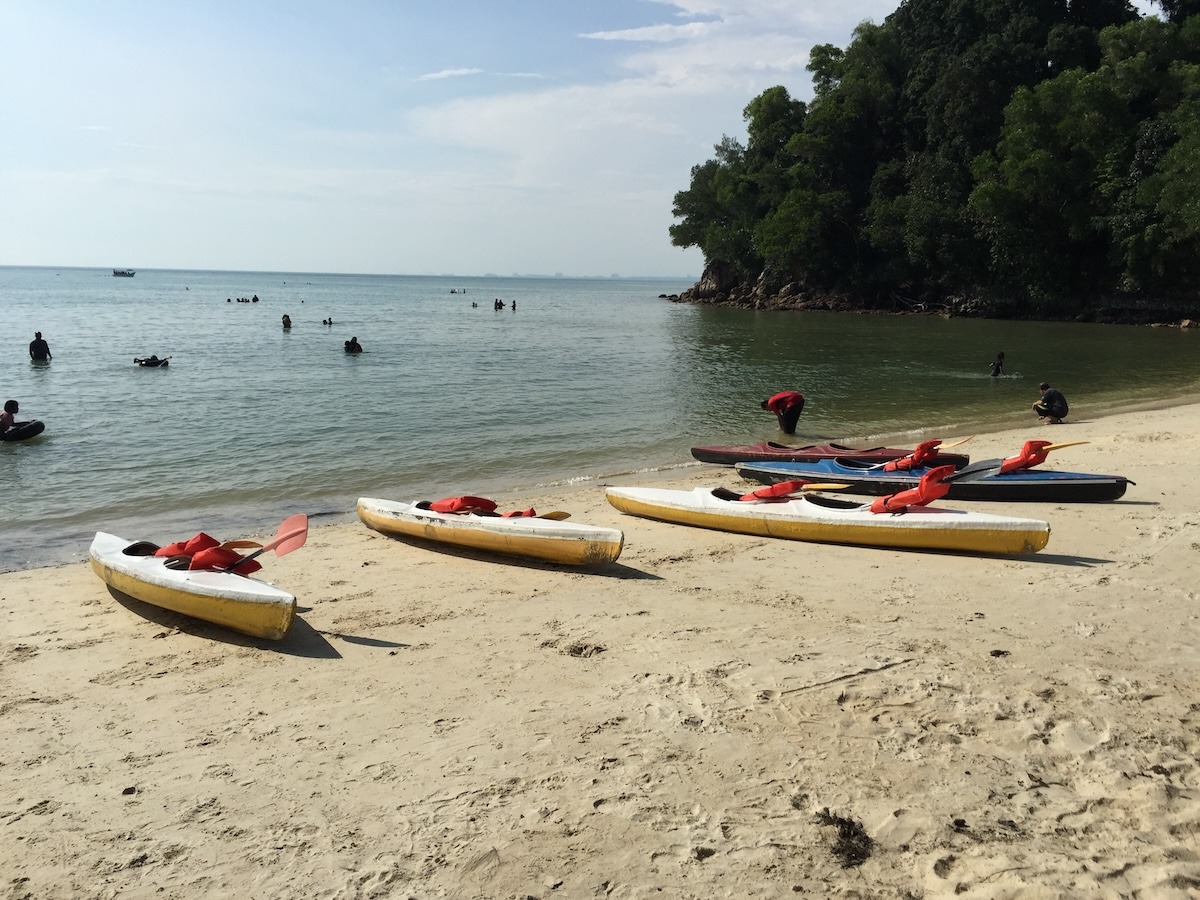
(832, 502)
(179, 563)
(726, 494)
(850, 462)
(140, 548)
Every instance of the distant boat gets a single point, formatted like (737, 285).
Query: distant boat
(123, 273)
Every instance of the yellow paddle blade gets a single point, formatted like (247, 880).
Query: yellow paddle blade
(1066, 444)
(238, 545)
(821, 486)
(557, 514)
(955, 443)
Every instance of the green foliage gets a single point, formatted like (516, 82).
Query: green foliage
(1044, 149)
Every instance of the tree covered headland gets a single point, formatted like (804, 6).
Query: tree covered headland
(1017, 158)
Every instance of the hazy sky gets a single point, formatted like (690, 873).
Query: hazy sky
(406, 137)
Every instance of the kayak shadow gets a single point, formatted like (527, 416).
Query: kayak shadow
(1064, 559)
(301, 640)
(604, 570)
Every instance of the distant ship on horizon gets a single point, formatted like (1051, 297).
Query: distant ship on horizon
(123, 273)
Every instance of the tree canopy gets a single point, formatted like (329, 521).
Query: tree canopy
(1046, 151)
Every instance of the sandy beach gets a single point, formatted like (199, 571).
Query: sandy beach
(714, 715)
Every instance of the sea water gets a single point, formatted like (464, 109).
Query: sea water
(581, 379)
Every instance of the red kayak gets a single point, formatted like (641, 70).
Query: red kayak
(770, 451)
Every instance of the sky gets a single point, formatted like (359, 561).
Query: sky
(421, 137)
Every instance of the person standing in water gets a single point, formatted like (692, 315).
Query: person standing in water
(787, 406)
(998, 365)
(39, 350)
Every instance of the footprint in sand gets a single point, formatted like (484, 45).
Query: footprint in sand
(1081, 736)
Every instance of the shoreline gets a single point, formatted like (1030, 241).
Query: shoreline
(712, 715)
(529, 493)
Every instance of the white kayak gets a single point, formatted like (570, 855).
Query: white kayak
(224, 598)
(813, 517)
(533, 537)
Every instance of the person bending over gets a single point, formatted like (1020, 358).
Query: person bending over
(1052, 406)
(787, 406)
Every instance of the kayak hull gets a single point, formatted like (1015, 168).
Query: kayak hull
(770, 451)
(1029, 485)
(233, 601)
(828, 520)
(529, 537)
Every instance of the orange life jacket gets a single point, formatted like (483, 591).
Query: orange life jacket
(1031, 454)
(928, 489)
(922, 453)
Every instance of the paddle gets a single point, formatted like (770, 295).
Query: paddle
(987, 467)
(292, 534)
(956, 443)
(557, 514)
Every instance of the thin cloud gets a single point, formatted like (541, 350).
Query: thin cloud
(449, 73)
(654, 33)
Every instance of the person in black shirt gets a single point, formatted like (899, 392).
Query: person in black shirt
(39, 350)
(1052, 405)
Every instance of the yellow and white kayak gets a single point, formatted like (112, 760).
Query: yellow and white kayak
(814, 517)
(547, 539)
(224, 598)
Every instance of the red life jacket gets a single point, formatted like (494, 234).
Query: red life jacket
(190, 547)
(220, 558)
(922, 453)
(205, 552)
(482, 505)
(463, 504)
(774, 492)
(1031, 454)
(930, 488)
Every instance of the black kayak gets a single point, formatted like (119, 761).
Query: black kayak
(1038, 485)
(22, 431)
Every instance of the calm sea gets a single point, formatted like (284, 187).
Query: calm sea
(585, 378)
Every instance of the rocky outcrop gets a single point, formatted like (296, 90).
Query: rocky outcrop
(770, 291)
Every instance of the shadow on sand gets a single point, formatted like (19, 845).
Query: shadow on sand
(301, 640)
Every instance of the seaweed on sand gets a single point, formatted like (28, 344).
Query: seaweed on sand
(853, 845)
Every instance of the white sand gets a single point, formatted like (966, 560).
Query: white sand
(673, 725)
